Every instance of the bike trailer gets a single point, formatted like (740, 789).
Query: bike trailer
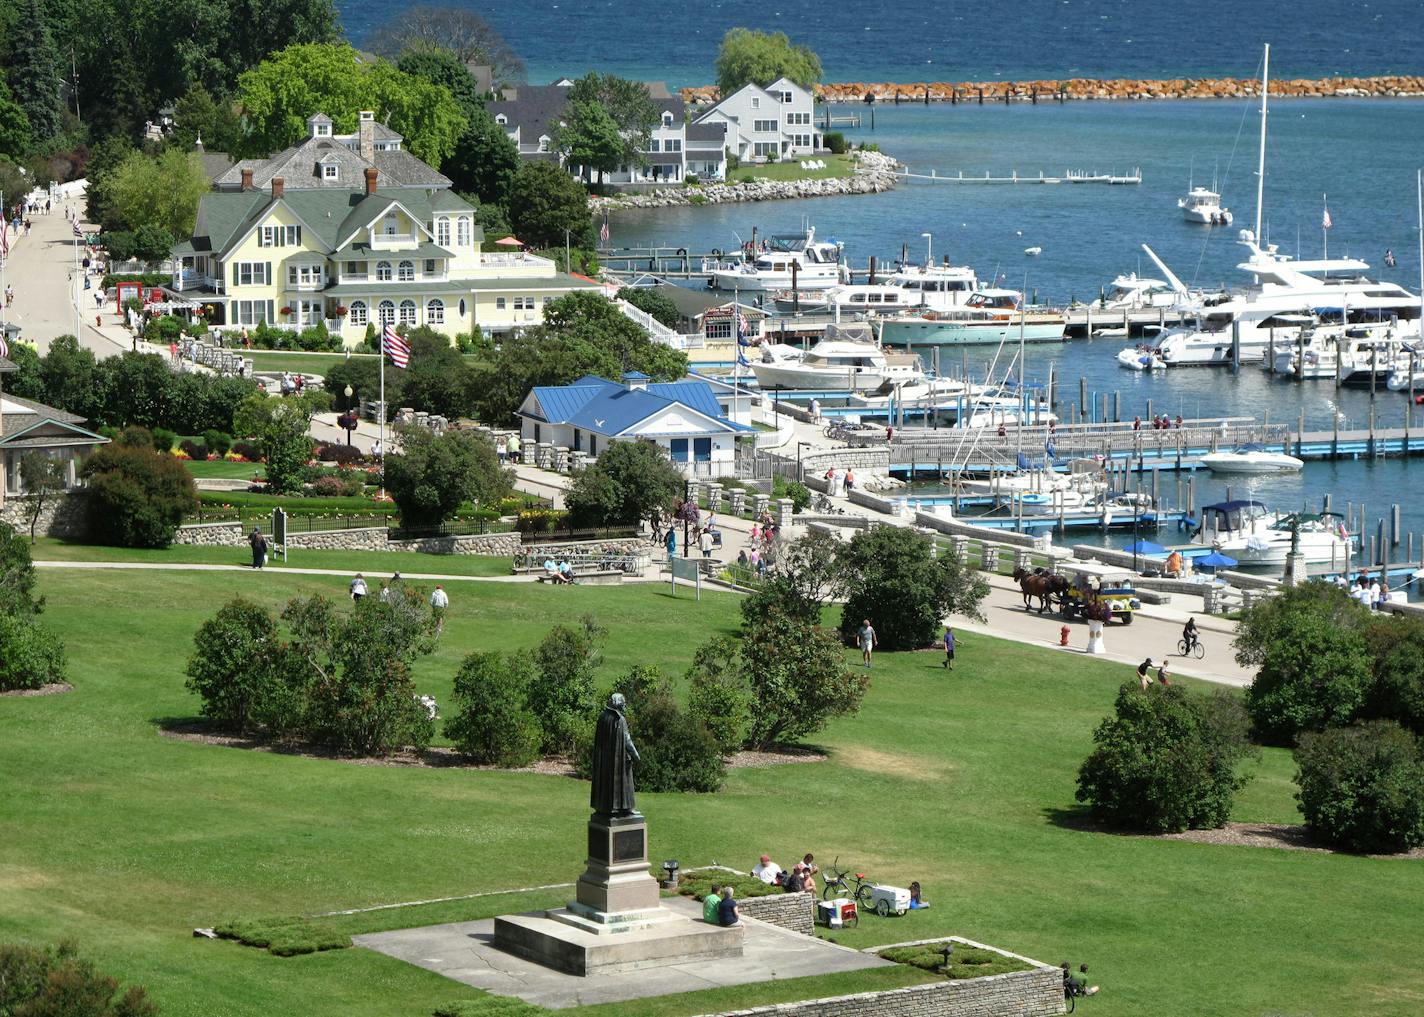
(888, 899)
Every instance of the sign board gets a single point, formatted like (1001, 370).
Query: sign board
(279, 531)
(687, 568)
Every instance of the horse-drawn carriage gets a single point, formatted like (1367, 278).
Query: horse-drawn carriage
(1092, 594)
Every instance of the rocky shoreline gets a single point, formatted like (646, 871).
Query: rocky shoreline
(1392, 86)
(874, 172)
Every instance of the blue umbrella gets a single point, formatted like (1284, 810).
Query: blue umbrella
(1215, 560)
(1147, 547)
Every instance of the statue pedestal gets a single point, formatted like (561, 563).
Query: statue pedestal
(617, 922)
(1295, 573)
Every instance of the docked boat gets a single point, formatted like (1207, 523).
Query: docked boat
(835, 365)
(1141, 358)
(802, 261)
(1319, 538)
(989, 316)
(910, 288)
(1200, 205)
(1251, 458)
(1131, 293)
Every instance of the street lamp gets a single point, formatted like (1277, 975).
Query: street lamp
(801, 476)
(929, 241)
(350, 419)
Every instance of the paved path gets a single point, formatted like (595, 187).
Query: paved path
(151, 566)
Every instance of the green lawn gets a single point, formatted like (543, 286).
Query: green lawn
(790, 169)
(224, 469)
(373, 563)
(309, 363)
(126, 840)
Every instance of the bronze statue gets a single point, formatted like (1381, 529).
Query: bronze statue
(613, 759)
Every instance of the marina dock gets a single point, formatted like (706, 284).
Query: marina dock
(1068, 177)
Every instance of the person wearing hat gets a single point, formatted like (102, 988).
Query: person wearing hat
(766, 870)
(1144, 673)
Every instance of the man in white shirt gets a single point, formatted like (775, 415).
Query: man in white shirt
(766, 870)
(440, 600)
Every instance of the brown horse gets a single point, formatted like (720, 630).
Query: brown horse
(1039, 585)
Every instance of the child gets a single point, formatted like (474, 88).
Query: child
(949, 648)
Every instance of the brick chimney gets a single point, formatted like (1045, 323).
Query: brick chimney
(278, 187)
(366, 135)
(371, 174)
(247, 178)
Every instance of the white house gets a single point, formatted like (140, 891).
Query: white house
(773, 122)
(683, 417)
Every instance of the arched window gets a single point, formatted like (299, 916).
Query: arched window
(442, 231)
(667, 119)
(386, 312)
(407, 312)
(435, 312)
(383, 271)
(357, 312)
(462, 227)
(406, 271)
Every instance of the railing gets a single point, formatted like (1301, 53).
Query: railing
(514, 261)
(560, 535)
(449, 528)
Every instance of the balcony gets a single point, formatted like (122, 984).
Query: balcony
(188, 279)
(394, 241)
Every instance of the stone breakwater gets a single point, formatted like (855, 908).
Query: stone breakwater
(1394, 85)
(874, 173)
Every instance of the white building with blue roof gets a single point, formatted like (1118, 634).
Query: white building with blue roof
(683, 417)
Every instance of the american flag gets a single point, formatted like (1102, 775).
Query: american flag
(4, 347)
(603, 231)
(4, 238)
(394, 344)
(75, 227)
(742, 328)
(1325, 222)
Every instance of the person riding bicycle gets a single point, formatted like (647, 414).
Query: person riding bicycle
(1076, 986)
(1189, 634)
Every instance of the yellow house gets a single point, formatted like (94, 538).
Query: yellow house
(354, 231)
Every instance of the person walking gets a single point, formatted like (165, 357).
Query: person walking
(705, 542)
(867, 640)
(258, 543)
(513, 447)
(358, 588)
(439, 601)
(672, 543)
(948, 648)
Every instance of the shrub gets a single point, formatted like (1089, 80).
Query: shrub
(1362, 787)
(835, 142)
(217, 442)
(283, 937)
(798, 492)
(892, 577)
(562, 694)
(247, 451)
(164, 439)
(676, 750)
(540, 520)
(342, 455)
(719, 695)
(232, 666)
(330, 486)
(193, 450)
(1166, 761)
(1396, 691)
(493, 723)
(627, 483)
(31, 656)
(56, 982)
(137, 497)
(433, 476)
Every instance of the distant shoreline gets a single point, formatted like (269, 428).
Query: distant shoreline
(1086, 89)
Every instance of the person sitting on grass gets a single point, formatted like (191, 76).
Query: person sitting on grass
(1076, 986)
(916, 904)
(711, 903)
(766, 870)
(727, 911)
(795, 881)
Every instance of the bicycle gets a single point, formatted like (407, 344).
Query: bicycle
(1195, 650)
(838, 886)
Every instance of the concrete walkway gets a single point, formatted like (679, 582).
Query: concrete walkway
(151, 566)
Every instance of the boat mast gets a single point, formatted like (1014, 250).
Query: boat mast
(1261, 155)
(1419, 185)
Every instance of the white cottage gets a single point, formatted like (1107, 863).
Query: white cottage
(683, 417)
(777, 121)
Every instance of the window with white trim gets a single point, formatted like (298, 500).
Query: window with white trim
(786, 97)
(798, 119)
(430, 268)
(764, 126)
(251, 312)
(653, 145)
(252, 273)
(383, 271)
(442, 231)
(524, 303)
(386, 312)
(305, 275)
(328, 171)
(756, 102)
(391, 226)
(407, 312)
(356, 313)
(435, 312)
(462, 231)
(405, 272)
(673, 145)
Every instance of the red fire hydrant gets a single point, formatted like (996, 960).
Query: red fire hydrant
(1063, 635)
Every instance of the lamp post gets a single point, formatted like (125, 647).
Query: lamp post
(350, 419)
(929, 242)
(800, 474)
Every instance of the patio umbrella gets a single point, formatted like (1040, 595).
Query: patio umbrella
(1215, 560)
(1146, 547)
(509, 242)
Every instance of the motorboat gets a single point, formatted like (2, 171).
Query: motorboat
(1033, 252)
(799, 261)
(989, 316)
(1141, 358)
(835, 365)
(1131, 293)
(909, 288)
(1200, 205)
(1320, 538)
(1251, 458)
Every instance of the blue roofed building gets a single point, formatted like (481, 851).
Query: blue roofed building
(683, 417)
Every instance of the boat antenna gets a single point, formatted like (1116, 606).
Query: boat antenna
(1261, 155)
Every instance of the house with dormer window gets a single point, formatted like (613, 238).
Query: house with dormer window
(354, 231)
(777, 121)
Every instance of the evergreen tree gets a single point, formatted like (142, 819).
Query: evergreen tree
(34, 75)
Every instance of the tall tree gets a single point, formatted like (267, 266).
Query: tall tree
(199, 117)
(544, 202)
(589, 138)
(34, 72)
(485, 161)
(14, 126)
(280, 93)
(442, 67)
(464, 33)
(762, 57)
(160, 191)
(627, 103)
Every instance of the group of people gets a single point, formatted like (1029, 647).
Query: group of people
(1160, 422)
(561, 573)
(1144, 673)
(1371, 593)
(507, 448)
(840, 482)
(293, 384)
(801, 877)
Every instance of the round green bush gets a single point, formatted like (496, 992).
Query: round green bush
(1362, 787)
(493, 723)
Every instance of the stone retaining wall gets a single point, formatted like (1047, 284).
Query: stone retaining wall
(373, 538)
(874, 173)
(793, 911)
(65, 516)
(864, 459)
(210, 535)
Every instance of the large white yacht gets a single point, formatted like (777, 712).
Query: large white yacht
(835, 365)
(817, 266)
(1248, 532)
(909, 288)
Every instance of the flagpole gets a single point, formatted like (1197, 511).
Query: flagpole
(381, 414)
(1325, 229)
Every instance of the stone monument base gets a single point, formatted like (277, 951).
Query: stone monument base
(577, 941)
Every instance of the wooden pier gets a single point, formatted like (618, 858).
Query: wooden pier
(1069, 177)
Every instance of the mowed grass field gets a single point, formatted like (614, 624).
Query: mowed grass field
(125, 840)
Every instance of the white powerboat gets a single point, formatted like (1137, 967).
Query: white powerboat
(1141, 358)
(989, 316)
(817, 266)
(1203, 206)
(835, 365)
(1130, 293)
(1320, 539)
(1251, 458)
(910, 288)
